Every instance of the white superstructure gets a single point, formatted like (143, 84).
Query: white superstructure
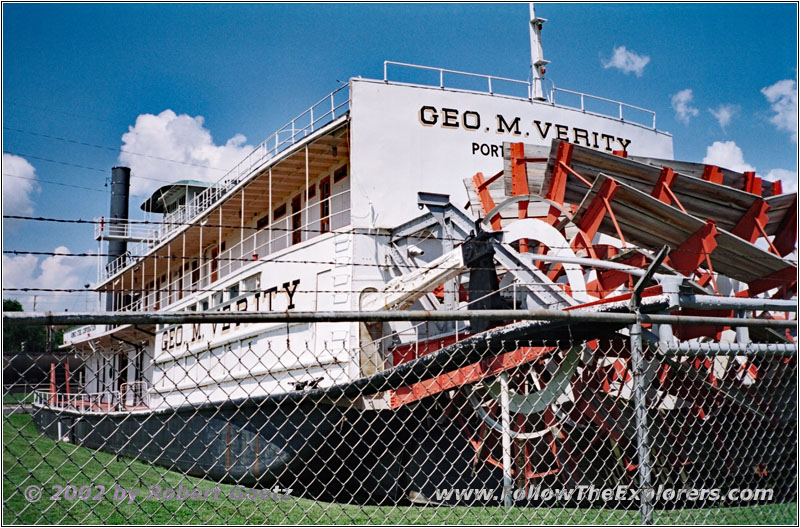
(304, 224)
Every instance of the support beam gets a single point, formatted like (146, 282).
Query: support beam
(712, 174)
(487, 202)
(688, 257)
(786, 238)
(663, 188)
(752, 183)
(558, 181)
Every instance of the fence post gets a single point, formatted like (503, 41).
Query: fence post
(505, 421)
(646, 494)
(640, 413)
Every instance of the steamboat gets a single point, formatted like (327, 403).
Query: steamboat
(389, 195)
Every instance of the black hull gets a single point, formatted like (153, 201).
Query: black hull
(320, 451)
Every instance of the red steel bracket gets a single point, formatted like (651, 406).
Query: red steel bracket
(687, 257)
(519, 184)
(753, 224)
(786, 235)
(487, 202)
(663, 188)
(752, 183)
(712, 173)
(558, 181)
(466, 375)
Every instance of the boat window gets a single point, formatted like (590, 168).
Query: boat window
(340, 174)
(250, 284)
(279, 212)
(204, 304)
(195, 275)
(214, 264)
(262, 222)
(312, 191)
(216, 299)
(324, 205)
(233, 291)
(297, 234)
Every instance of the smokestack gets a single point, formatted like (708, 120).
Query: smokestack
(120, 185)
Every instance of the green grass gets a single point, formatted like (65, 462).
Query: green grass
(32, 459)
(18, 398)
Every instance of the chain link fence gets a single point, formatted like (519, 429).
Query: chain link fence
(576, 423)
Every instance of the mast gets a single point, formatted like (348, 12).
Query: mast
(538, 62)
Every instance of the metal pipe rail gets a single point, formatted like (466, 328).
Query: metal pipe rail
(729, 349)
(116, 318)
(713, 302)
(619, 104)
(529, 86)
(442, 71)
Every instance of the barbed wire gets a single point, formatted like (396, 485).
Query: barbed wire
(139, 258)
(355, 231)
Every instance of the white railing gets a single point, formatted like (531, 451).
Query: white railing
(492, 83)
(98, 401)
(105, 229)
(324, 111)
(272, 238)
(491, 88)
(620, 106)
(135, 394)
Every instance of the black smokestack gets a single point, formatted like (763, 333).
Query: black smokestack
(120, 185)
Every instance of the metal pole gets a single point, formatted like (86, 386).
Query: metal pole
(304, 205)
(505, 419)
(622, 319)
(640, 411)
(269, 214)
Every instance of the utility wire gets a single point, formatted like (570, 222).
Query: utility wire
(104, 171)
(112, 149)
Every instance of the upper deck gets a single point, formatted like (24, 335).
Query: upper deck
(294, 158)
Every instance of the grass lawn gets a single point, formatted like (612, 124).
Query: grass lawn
(31, 459)
(18, 398)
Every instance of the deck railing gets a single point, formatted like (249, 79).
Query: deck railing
(96, 401)
(499, 86)
(274, 237)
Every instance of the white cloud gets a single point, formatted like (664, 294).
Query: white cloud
(54, 272)
(727, 154)
(724, 114)
(181, 138)
(788, 179)
(681, 103)
(782, 97)
(627, 61)
(19, 183)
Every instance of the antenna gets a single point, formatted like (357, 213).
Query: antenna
(538, 62)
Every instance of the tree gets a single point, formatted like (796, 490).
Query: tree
(34, 337)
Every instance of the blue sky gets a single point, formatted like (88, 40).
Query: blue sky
(83, 74)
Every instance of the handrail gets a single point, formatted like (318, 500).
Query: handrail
(489, 78)
(271, 238)
(81, 400)
(442, 71)
(598, 98)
